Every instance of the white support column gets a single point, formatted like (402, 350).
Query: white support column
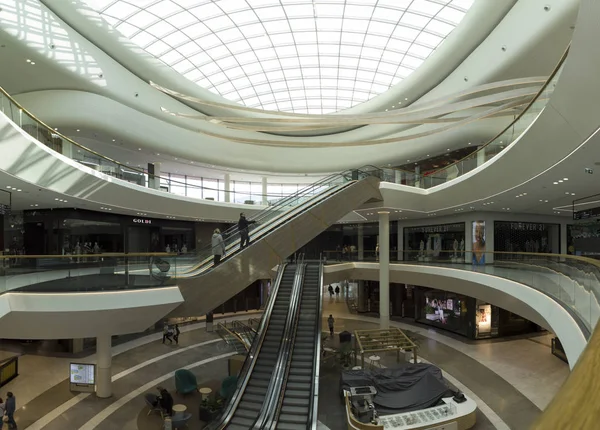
(361, 244)
(265, 199)
(480, 156)
(400, 256)
(227, 187)
(384, 269)
(103, 366)
(154, 176)
(398, 176)
(418, 177)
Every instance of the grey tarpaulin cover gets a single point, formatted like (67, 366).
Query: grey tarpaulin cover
(407, 388)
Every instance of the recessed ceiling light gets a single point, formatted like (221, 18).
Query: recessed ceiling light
(560, 181)
(157, 153)
(114, 140)
(19, 190)
(572, 194)
(555, 183)
(78, 130)
(567, 193)
(139, 149)
(28, 60)
(405, 98)
(8, 186)
(469, 143)
(32, 63)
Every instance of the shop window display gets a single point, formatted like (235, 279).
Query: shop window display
(526, 237)
(435, 242)
(444, 309)
(584, 239)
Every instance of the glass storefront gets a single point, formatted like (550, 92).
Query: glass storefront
(467, 316)
(526, 237)
(72, 231)
(583, 239)
(441, 308)
(445, 241)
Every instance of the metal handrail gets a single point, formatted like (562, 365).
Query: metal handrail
(251, 358)
(235, 335)
(265, 416)
(317, 357)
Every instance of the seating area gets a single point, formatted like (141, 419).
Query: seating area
(194, 404)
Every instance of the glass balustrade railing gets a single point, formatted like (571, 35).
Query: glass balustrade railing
(573, 281)
(86, 272)
(62, 144)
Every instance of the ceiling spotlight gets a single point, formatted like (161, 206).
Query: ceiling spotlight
(139, 149)
(560, 181)
(555, 183)
(567, 193)
(114, 140)
(32, 63)
(405, 98)
(565, 179)
(78, 130)
(572, 194)
(19, 190)
(28, 60)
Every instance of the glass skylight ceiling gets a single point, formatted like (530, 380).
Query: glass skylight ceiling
(302, 56)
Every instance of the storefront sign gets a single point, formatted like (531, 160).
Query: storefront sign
(587, 213)
(436, 228)
(527, 226)
(142, 221)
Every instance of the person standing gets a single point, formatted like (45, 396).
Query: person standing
(167, 333)
(330, 289)
(330, 322)
(337, 291)
(10, 408)
(243, 224)
(218, 247)
(176, 335)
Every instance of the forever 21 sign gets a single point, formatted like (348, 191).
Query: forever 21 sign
(142, 221)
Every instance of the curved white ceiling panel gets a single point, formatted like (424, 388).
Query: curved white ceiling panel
(301, 56)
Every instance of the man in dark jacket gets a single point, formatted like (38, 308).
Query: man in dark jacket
(165, 400)
(11, 407)
(243, 224)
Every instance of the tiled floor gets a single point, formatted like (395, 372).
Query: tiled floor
(511, 380)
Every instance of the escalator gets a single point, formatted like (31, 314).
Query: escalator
(247, 404)
(280, 230)
(297, 404)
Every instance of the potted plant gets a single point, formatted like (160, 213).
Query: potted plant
(210, 409)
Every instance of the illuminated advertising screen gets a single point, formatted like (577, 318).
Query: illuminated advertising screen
(484, 319)
(82, 374)
(478, 245)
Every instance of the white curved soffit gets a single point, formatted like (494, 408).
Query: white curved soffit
(309, 56)
(512, 296)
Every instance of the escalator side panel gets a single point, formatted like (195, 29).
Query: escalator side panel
(206, 292)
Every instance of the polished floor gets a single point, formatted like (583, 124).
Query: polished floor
(512, 380)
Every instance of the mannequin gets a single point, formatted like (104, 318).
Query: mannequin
(455, 248)
(77, 251)
(421, 248)
(168, 249)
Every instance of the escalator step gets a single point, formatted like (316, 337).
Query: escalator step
(255, 391)
(297, 394)
(302, 364)
(239, 423)
(289, 426)
(297, 386)
(255, 398)
(295, 401)
(244, 413)
(301, 372)
(299, 410)
(300, 378)
(293, 419)
(303, 357)
(254, 382)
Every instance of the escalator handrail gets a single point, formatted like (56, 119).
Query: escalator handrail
(234, 335)
(295, 211)
(312, 419)
(266, 415)
(312, 412)
(250, 360)
(363, 171)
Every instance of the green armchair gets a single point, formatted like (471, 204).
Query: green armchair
(185, 381)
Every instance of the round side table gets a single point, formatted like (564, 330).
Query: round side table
(205, 392)
(178, 410)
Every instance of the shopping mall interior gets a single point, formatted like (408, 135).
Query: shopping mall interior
(299, 214)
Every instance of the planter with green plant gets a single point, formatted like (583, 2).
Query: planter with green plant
(210, 409)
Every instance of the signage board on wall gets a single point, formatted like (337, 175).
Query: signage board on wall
(142, 221)
(478, 245)
(484, 319)
(587, 213)
(444, 228)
